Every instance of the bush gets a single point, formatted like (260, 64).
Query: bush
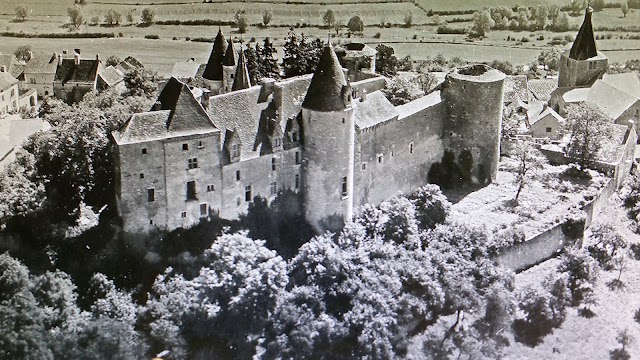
(58, 35)
(634, 251)
(152, 37)
(636, 316)
(377, 35)
(444, 29)
(608, 243)
(582, 272)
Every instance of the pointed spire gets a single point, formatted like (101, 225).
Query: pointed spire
(213, 70)
(584, 47)
(328, 85)
(241, 78)
(230, 55)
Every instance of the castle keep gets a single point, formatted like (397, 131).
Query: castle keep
(340, 144)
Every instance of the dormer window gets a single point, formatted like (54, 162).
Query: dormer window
(294, 136)
(235, 150)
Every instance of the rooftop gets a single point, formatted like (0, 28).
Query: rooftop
(584, 47)
(328, 90)
(541, 89)
(6, 81)
(85, 71)
(213, 69)
(374, 110)
(42, 63)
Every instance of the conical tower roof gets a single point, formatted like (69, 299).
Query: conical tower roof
(230, 55)
(241, 78)
(328, 85)
(213, 70)
(584, 47)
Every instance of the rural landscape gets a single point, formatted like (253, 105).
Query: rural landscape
(319, 179)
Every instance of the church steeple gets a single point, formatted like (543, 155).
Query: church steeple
(241, 78)
(329, 90)
(213, 70)
(230, 55)
(584, 47)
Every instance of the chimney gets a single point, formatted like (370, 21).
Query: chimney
(204, 99)
(30, 55)
(77, 51)
(64, 52)
(76, 58)
(59, 59)
(363, 96)
(97, 56)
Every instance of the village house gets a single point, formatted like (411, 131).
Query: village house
(75, 77)
(8, 93)
(40, 72)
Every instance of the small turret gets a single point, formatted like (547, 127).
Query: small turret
(584, 47)
(241, 78)
(213, 70)
(229, 65)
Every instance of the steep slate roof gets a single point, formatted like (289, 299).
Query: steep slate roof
(213, 70)
(230, 54)
(374, 110)
(419, 104)
(541, 89)
(292, 94)
(85, 71)
(42, 63)
(12, 65)
(584, 47)
(627, 82)
(328, 85)
(176, 113)
(185, 70)
(515, 88)
(6, 81)
(111, 76)
(610, 100)
(241, 78)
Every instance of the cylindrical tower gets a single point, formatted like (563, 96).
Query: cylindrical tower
(328, 137)
(473, 96)
(229, 64)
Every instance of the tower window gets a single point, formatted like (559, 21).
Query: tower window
(183, 215)
(294, 136)
(200, 144)
(247, 193)
(297, 158)
(151, 195)
(297, 181)
(235, 150)
(364, 166)
(191, 190)
(185, 147)
(548, 129)
(237, 175)
(380, 159)
(410, 148)
(343, 120)
(345, 190)
(592, 65)
(274, 188)
(141, 176)
(203, 209)
(277, 142)
(273, 164)
(144, 151)
(193, 163)
(211, 188)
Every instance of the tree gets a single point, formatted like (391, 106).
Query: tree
(21, 12)
(581, 271)
(530, 161)
(482, 23)
(400, 91)
(328, 18)
(300, 55)
(140, 82)
(355, 24)
(75, 15)
(408, 19)
(561, 22)
(267, 15)
(251, 56)
(426, 82)
(386, 61)
(112, 60)
(576, 6)
(624, 339)
(624, 7)
(550, 58)
(590, 127)
(267, 64)
(241, 21)
(23, 53)
(542, 17)
(112, 18)
(597, 5)
(607, 244)
(81, 2)
(147, 16)
(129, 17)
(432, 206)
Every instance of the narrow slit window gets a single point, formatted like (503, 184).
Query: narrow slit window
(345, 189)
(297, 158)
(297, 181)
(151, 195)
(411, 148)
(274, 188)
(237, 175)
(273, 164)
(247, 193)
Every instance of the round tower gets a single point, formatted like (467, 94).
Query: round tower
(212, 74)
(329, 139)
(229, 67)
(473, 96)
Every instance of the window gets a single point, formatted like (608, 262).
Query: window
(150, 222)
(32, 80)
(191, 190)
(297, 158)
(364, 166)
(13, 92)
(211, 188)
(294, 136)
(204, 209)
(235, 150)
(548, 129)
(185, 147)
(237, 175)
(144, 151)
(151, 195)
(592, 65)
(343, 120)
(141, 176)
(410, 148)
(345, 191)
(193, 163)
(273, 164)
(200, 144)
(297, 181)
(274, 188)
(247, 193)
(277, 142)
(380, 159)
(183, 214)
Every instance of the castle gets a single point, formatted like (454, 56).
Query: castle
(340, 144)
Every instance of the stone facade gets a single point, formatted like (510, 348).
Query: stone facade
(340, 144)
